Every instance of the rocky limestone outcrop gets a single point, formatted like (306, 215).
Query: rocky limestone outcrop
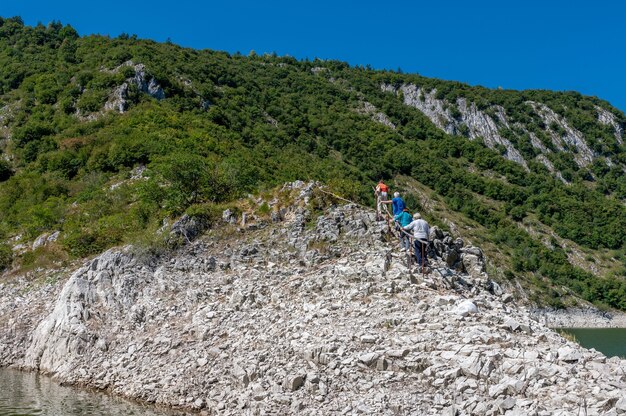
(608, 118)
(376, 115)
(478, 123)
(463, 117)
(565, 136)
(91, 292)
(142, 80)
(305, 316)
(45, 239)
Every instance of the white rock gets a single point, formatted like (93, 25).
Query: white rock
(568, 354)
(466, 308)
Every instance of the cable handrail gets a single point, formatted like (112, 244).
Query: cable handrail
(388, 217)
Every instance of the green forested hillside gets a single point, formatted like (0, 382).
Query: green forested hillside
(80, 118)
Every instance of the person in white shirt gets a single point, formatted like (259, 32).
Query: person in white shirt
(421, 230)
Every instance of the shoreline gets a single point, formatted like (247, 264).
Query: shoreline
(579, 318)
(158, 409)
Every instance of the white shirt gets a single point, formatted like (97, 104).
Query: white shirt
(420, 229)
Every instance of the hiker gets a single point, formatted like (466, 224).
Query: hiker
(397, 204)
(420, 234)
(382, 196)
(403, 219)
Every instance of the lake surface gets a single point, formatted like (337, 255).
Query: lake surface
(26, 394)
(609, 341)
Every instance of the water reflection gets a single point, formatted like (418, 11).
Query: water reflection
(25, 394)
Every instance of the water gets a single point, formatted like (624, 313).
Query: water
(25, 394)
(609, 341)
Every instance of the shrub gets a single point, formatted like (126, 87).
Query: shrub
(5, 170)
(6, 256)
(208, 214)
(91, 101)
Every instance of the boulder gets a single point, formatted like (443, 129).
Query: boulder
(186, 229)
(451, 257)
(473, 261)
(435, 233)
(466, 308)
(569, 354)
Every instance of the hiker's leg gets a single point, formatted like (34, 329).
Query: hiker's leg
(417, 251)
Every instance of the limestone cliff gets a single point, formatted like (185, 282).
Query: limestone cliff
(494, 127)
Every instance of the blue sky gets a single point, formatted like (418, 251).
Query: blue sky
(559, 45)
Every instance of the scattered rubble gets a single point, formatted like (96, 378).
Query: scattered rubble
(300, 317)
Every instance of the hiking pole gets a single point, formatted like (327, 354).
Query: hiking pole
(388, 216)
(423, 259)
(377, 203)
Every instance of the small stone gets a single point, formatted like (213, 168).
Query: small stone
(241, 375)
(512, 325)
(368, 358)
(293, 383)
(296, 406)
(398, 353)
(382, 364)
(507, 403)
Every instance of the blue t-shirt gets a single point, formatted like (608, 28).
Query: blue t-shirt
(397, 205)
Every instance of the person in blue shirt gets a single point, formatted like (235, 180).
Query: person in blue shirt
(397, 204)
(403, 219)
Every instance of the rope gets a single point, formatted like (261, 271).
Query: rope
(389, 217)
(402, 232)
(344, 199)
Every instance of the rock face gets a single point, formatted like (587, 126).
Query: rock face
(300, 317)
(378, 116)
(608, 118)
(563, 135)
(477, 123)
(143, 81)
(64, 334)
(465, 118)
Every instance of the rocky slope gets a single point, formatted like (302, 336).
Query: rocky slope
(463, 117)
(308, 315)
